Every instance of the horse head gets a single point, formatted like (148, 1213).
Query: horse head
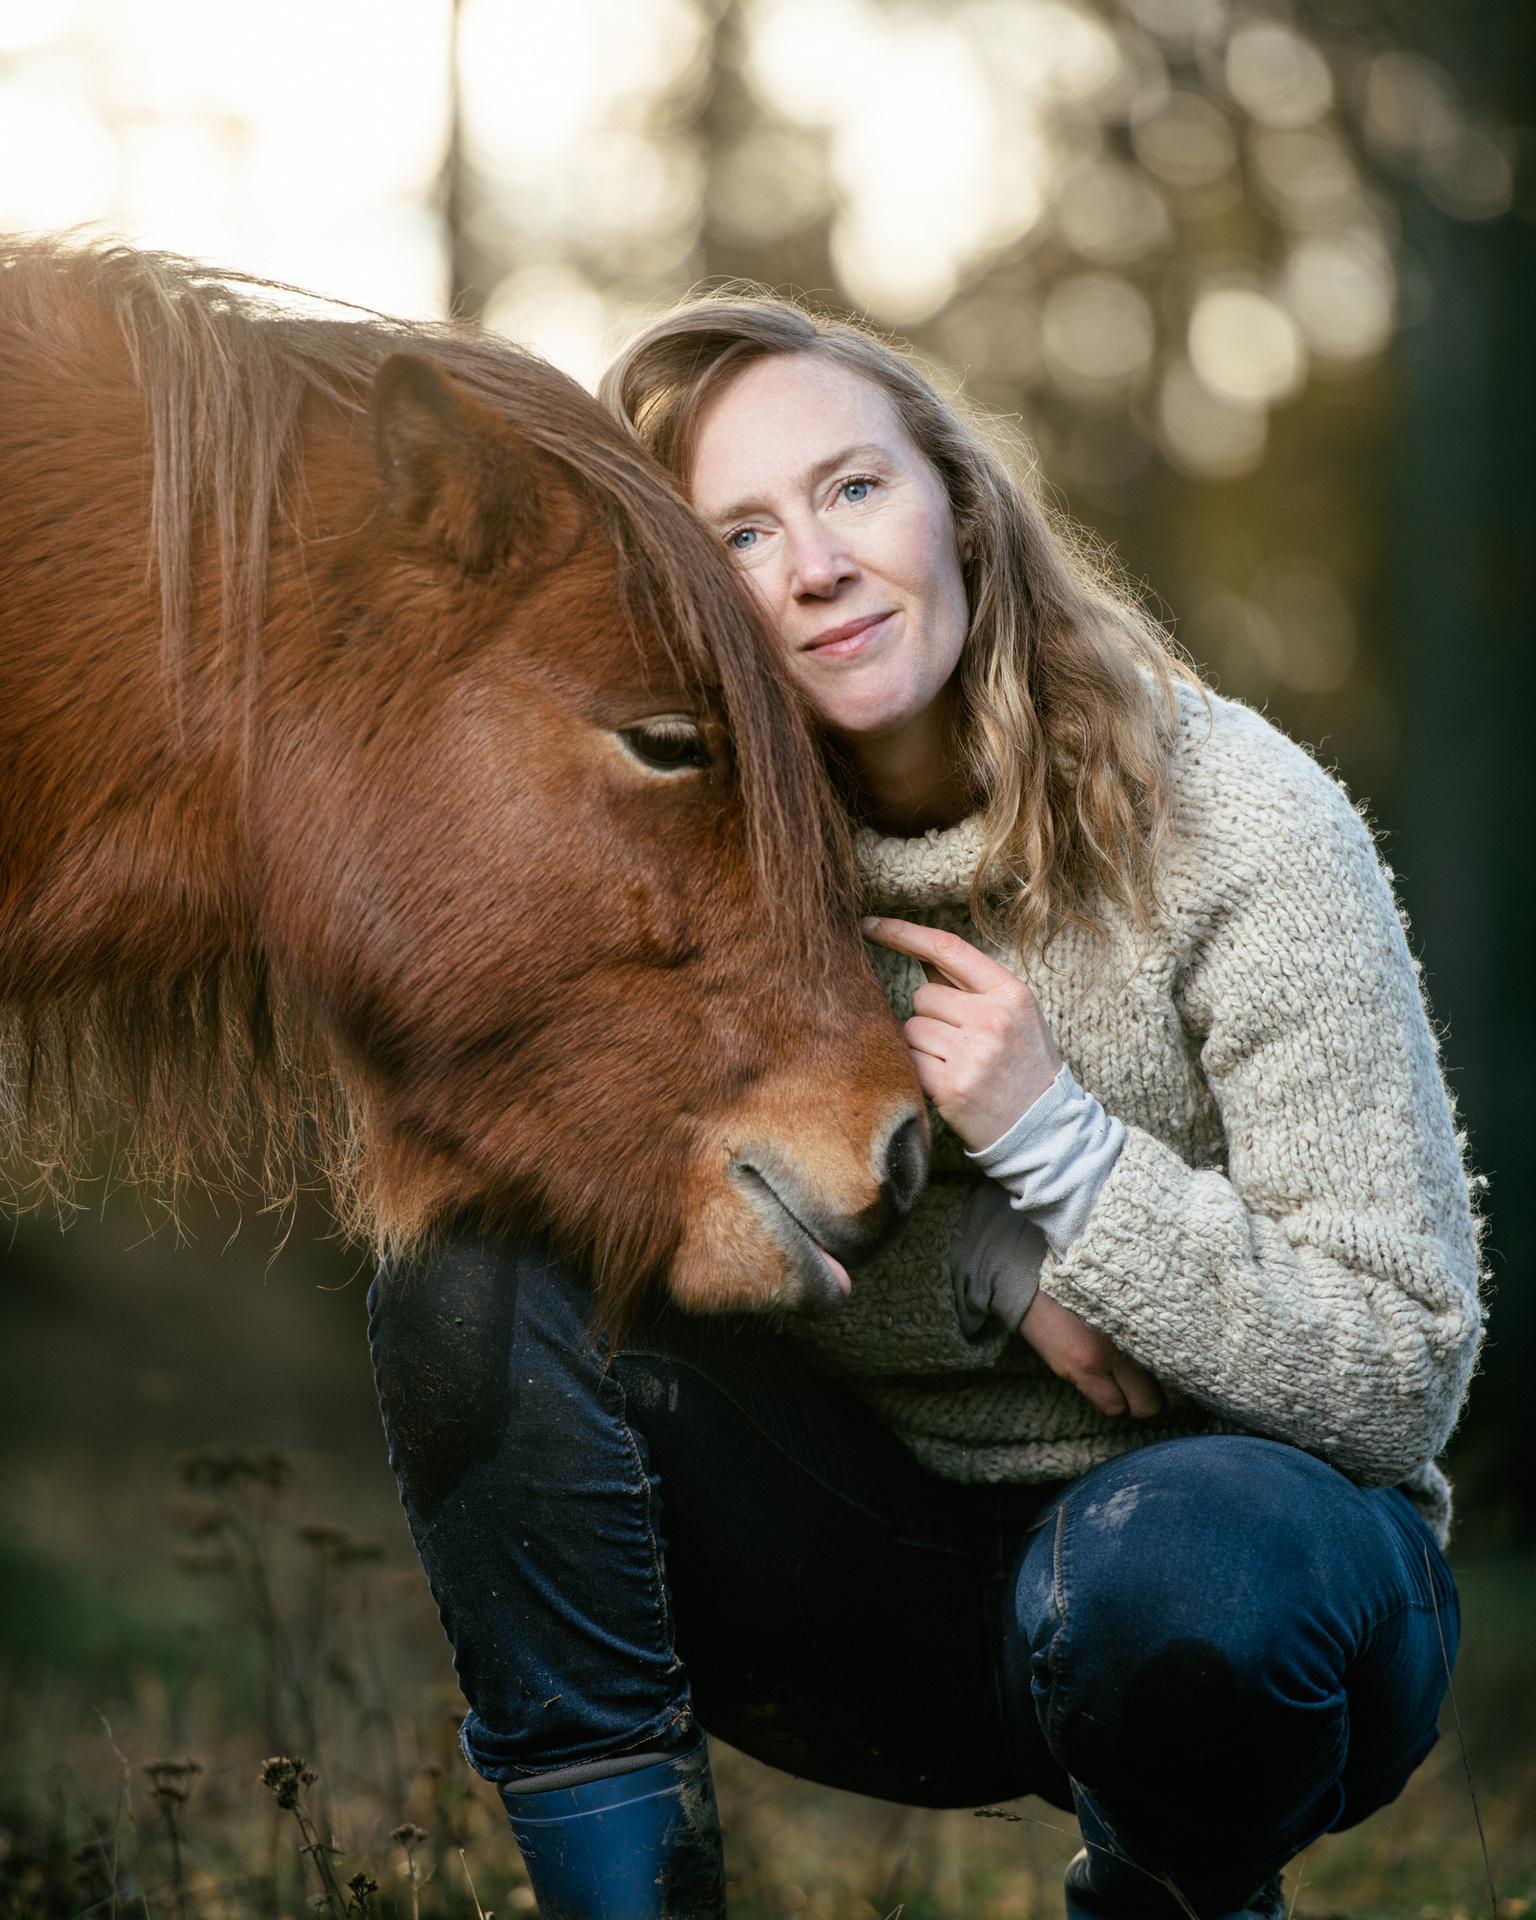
(520, 826)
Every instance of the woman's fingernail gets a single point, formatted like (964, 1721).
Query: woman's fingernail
(869, 923)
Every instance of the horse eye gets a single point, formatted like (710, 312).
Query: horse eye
(669, 746)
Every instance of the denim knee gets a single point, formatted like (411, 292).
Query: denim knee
(1224, 1542)
(1210, 1601)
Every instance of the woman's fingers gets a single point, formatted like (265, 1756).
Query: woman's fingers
(1100, 1390)
(933, 1037)
(1143, 1395)
(950, 1004)
(961, 963)
(981, 1023)
(1087, 1360)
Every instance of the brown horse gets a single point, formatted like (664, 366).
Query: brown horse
(395, 782)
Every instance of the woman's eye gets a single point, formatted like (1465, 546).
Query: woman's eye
(857, 491)
(667, 746)
(742, 540)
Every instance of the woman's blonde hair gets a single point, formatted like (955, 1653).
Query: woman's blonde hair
(1067, 683)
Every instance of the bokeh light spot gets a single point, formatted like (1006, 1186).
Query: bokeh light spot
(1341, 292)
(805, 57)
(1245, 347)
(1471, 176)
(1184, 24)
(1305, 606)
(1188, 143)
(1204, 434)
(558, 313)
(1306, 175)
(1097, 331)
(1045, 47)
(1278, 77)
(1111, 214)
(1411, 104)
(770, 183)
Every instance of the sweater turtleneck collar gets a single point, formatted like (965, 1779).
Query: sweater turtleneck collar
(903, 874)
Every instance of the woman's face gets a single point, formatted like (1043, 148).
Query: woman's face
(844, 532)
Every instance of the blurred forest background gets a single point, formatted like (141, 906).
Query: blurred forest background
(1256, 280)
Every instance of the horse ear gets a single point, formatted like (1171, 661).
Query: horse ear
(454, 472)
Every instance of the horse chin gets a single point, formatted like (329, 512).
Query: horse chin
(733, 1260)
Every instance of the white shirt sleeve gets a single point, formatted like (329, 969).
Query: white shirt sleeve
(1043, 1176)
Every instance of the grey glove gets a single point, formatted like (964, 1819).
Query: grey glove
(995, 1254)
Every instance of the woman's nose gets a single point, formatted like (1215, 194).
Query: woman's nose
(818, 564)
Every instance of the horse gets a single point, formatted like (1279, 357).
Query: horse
(398, 794)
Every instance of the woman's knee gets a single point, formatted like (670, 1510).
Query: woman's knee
(532, 1505)
(1195, 1583)
(468, 1341)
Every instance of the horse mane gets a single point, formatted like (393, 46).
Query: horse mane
(225, 363)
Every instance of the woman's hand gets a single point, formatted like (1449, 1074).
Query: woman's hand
(983, 1053)
(1102, 1374)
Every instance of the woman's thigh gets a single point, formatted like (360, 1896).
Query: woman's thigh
(841, 1610)
(698, 1523)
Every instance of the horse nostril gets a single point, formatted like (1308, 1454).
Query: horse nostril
(906, 1164)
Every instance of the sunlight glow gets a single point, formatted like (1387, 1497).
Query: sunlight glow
(33, 23)
(200, 129)
(955, 181)
(58, 160)
(1057, 183)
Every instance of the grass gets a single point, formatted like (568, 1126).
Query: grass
(263, 1723)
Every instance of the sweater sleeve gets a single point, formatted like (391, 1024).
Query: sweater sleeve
(1321, 1288)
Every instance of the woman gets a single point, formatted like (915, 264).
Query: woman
(1114, 1482)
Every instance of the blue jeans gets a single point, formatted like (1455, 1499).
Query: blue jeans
(1215, 1648)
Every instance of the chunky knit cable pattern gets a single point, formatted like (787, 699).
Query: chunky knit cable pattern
(1287, 1235)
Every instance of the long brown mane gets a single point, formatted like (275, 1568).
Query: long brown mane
(213, 1053)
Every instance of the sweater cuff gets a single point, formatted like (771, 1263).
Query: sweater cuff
(1055, 1158)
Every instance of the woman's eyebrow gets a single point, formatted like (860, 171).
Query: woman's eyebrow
(864, 450)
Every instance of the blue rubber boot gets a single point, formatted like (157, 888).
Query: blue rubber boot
(643, 1845)
(1104, 1883)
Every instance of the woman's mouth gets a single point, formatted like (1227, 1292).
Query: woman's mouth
(853, 636)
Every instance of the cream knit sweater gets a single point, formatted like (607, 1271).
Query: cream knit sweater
(1287, 1234)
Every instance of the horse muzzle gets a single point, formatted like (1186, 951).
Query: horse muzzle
(817, 1237)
